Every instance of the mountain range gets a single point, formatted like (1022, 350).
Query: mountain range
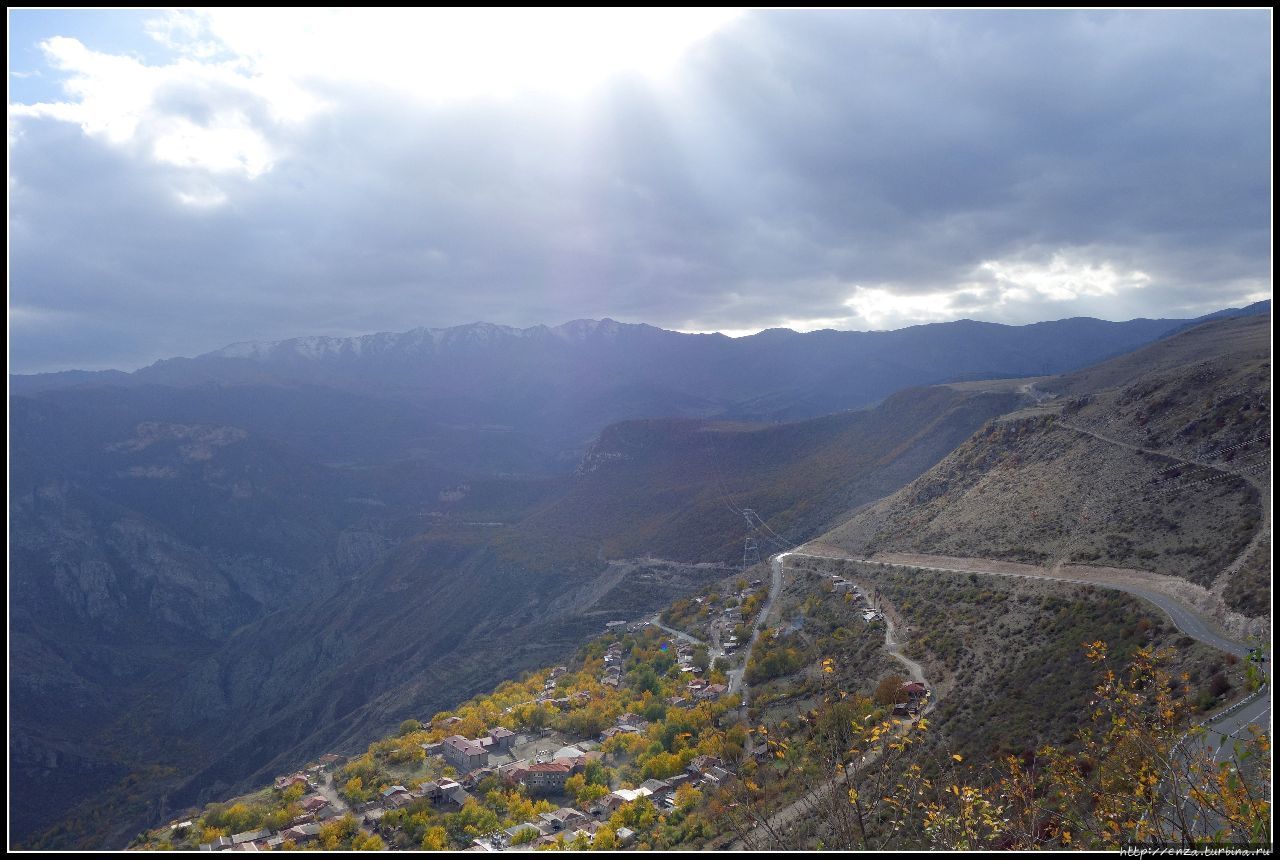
(494, 398)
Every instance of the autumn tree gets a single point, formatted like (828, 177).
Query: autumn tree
(605, 839)
(436, 839)
(889, 691)
(367, 842)
(337, 834)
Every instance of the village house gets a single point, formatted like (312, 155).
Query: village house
(606, 805)
(302, 833)
(703, 763)
(249, 836)
(545, 777)
(314, 805)
(465, 755)
(442, 791)
(285, 782)
(222, 843)
(711, 691)
(513, 831)
(658, 788)
(396, 796)
(633, 720)
(505, 770)
(717, 777)
(474, 778)
(430, 790)
(502, 739)
(610, 803)
(913, 696)
(617, 730)
(457, 795)
(564, 818)
(587, 832)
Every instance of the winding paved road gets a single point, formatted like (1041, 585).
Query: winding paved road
(1221, 730)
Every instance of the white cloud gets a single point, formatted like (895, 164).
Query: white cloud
(111, 93)
(1066, 276)
(228, 144)
(184, 33)
(217, 117)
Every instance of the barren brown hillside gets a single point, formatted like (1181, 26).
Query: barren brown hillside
(1158, 460)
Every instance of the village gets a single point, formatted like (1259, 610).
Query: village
(573, 757)
(639, 734)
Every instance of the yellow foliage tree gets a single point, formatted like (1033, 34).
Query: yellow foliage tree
(606, 839)
(436, 839)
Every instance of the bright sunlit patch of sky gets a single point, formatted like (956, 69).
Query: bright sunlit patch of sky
(449, 53)
(114, 81)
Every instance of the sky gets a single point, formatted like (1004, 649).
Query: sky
(183, 180)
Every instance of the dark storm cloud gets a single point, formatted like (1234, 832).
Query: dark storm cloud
(794, 156)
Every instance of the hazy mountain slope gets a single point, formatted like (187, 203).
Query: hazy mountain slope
(670, 487)
(1262, 308)
(469, 393)
(1036, 486)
